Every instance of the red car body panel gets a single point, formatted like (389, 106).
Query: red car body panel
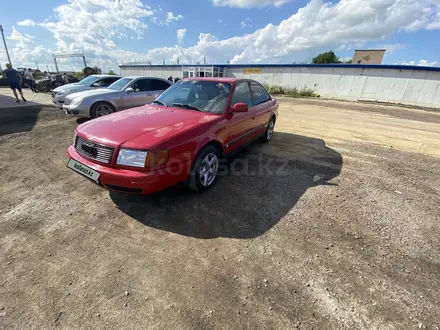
(181, 131)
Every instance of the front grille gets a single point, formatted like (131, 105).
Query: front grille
(93, 150)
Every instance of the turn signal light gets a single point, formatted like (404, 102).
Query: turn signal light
(156, 158)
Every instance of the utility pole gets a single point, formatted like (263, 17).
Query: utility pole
(85, 63)
(204, 60)
(56, 65)
(47, 66)
(37, 65)
(6, 47)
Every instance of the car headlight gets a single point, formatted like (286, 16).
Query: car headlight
(74, 140)
(76, 101)
(138, 158)
(62, 93)
(130, 157)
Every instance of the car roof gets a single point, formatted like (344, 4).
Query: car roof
(143, 77)
(219, 79)
(105, 75)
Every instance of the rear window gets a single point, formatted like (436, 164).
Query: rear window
(259, 95)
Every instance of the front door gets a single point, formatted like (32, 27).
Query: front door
(240, 127)
(141, 94)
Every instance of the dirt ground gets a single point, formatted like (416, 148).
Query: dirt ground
(332, 225)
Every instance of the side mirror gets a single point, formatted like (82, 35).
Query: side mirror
(129, 90)
(96, 85)
(239, 107)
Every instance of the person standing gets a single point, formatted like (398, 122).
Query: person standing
(13, 78)
(29, 75)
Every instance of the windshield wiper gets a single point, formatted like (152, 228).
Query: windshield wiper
(159, 102)
(186, 106)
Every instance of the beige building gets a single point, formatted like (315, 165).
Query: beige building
(368, 56)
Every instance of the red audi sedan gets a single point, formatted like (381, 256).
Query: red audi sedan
(179, 137)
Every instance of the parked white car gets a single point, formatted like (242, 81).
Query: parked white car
(89, 83)
(127, 92)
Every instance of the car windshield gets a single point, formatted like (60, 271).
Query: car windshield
(120, 84)
(206, 96)
(88, 80)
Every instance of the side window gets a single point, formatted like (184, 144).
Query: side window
(159, 85)
(242, 94)
(142, 85)
(105, 82)
(259, 95)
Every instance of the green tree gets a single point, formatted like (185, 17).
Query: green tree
(79, 75)
(111, 72)
(326, 57)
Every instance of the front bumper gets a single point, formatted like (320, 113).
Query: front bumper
(77, 110)
(58, 100)
(130, 181)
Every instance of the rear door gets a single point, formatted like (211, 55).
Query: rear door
(260, 106)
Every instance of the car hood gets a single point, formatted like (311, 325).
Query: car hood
(92, 92)
(76, 89)
(64, 87)
(142, 127)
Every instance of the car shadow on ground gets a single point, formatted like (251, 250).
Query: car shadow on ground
(82, 120)
(257, 187)
(18, 119)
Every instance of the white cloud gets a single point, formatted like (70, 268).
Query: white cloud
(26, 22)
(246, 23)
(173, 18)
(180, 35)
(24, 50)
(249, 3)
(421, 63)
(390, 48)
(316, 27)
(435, 24)
(219, 21)
(96, 23)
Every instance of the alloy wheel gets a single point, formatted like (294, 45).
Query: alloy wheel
(103, 110)
(208, 169)
(270, 130)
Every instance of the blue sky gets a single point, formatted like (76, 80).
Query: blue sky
(111, 32)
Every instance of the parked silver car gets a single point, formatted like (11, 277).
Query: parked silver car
(91, 82)
(128, 92)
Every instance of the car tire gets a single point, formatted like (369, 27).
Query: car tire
(100, 109)
(268, 134)
(204, 171)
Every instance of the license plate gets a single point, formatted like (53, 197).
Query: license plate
(84, 170)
